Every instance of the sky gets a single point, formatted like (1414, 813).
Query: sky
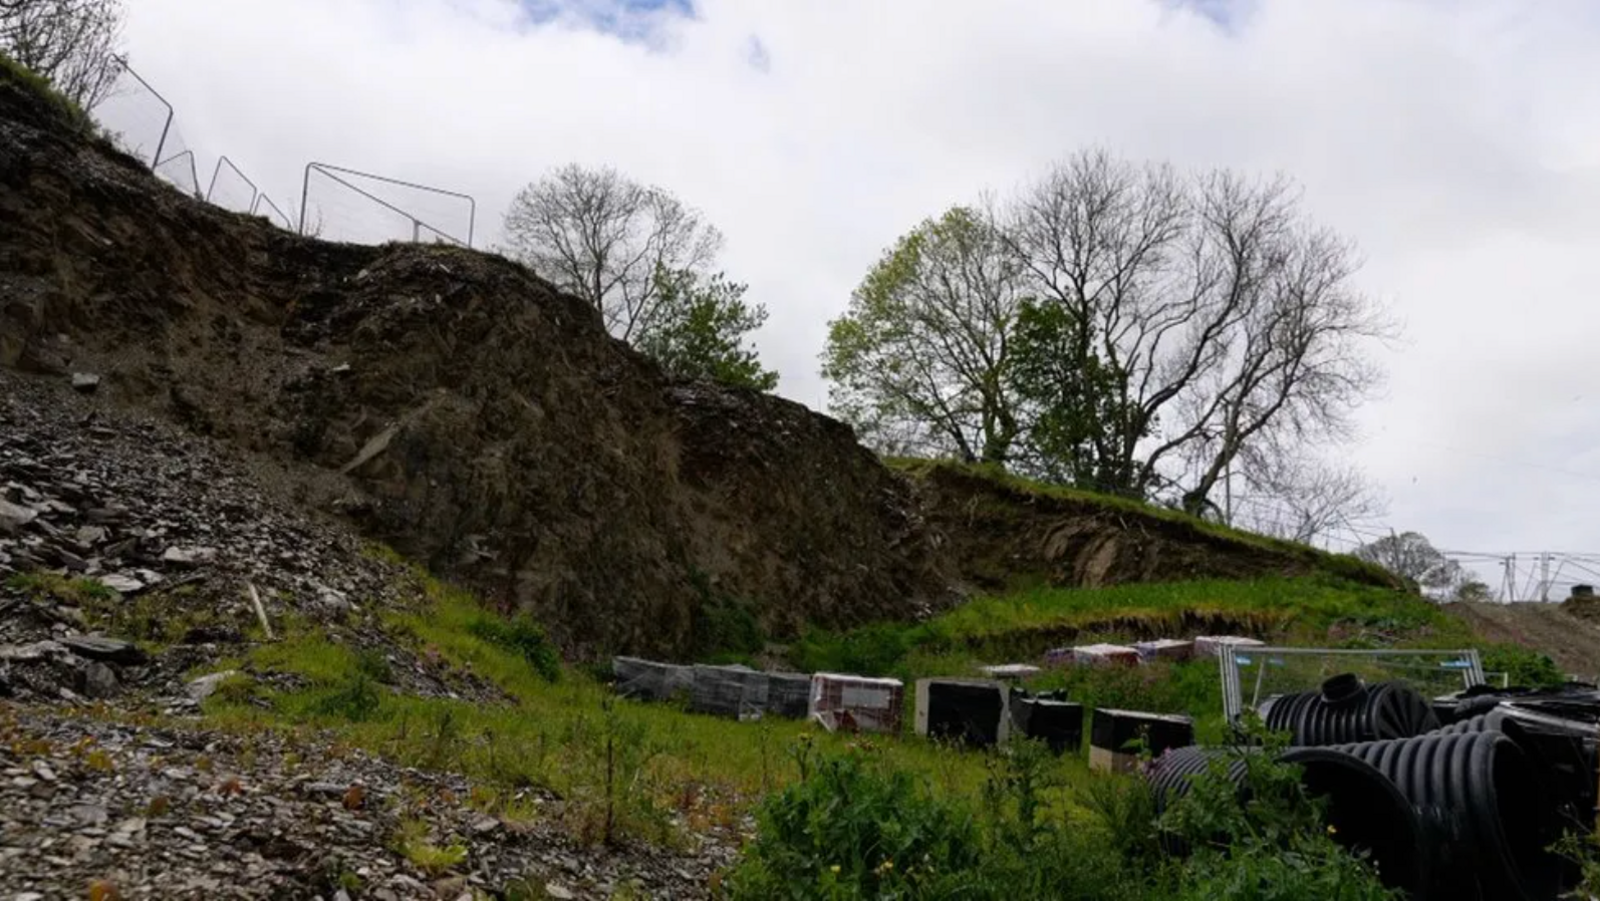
(1457, 142)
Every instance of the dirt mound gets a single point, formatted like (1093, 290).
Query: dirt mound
(1558, 630)
(1584, 607)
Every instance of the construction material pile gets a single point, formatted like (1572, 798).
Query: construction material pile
(972, 712)
(1459, 799)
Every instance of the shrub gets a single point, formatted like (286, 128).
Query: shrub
(854, 829)
(1525, 667)
(874, 650)
(1264, 839)
(355, 698)
(522, 636)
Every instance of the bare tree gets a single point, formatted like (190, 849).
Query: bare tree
(919, 361)
(1411, 556)
(72, 43)
(1301, 498)
(604, 237)
(1218, 317)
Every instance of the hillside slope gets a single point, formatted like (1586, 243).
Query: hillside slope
(1570, 640)
(455, 406)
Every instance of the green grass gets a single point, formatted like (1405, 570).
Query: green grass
(1316, 611)
(647, 770)
(666, 764)
(45, 585)
(72, 113)
(1023, 625)
(1341, 565)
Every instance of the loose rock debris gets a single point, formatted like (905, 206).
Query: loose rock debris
(165, 813)
(116, 529)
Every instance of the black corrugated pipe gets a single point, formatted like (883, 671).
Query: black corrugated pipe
(1483, 811)
(1346, 711)
(1366, 810)
(1565, 775)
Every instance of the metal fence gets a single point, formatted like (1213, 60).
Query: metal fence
(1250, 675)
(336, 203)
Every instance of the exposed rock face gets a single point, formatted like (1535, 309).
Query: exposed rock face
(999, 536)
(454, 405)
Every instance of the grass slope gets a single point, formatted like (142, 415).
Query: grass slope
(1028, 492)
(657, 772)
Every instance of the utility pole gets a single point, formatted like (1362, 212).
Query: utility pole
(1544, 577)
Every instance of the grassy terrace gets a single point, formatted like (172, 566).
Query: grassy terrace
(1343, 565)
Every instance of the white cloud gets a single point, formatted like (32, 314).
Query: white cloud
(1457, 143)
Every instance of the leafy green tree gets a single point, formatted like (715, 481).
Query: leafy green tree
(1071, 401)
(1123, 327)
(919, 361)
(699, 330)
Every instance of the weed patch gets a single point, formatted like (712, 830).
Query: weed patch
(855, 826)
(44, 585)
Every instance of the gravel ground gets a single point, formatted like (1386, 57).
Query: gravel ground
(188, 813)
(110, 780)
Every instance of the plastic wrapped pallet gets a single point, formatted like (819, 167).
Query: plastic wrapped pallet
(1105, 655)
(738, 692)
(1009, 671)
(647, 680)
(970, 711)
(1113, 729)
(856, 703)
(789, 695)
(1164, 649)
(1212, 645)
(1049, 717)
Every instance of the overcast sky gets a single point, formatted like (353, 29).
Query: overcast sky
(1456, 142)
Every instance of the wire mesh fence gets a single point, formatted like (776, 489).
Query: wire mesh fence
(344, 204)
(230, 188)
(336, 203)
(1254, 674)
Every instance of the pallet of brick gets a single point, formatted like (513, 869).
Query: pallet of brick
(737, 692)
(843, 703)
(788, 695)
(1105, 655)
(968, 711)
(1113, 730)
(647, 680)
(1164, 649)
(1212, 645)
(1048, 717)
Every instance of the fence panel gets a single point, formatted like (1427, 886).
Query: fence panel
(230, 188)
(336, 203)
(344, 204)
